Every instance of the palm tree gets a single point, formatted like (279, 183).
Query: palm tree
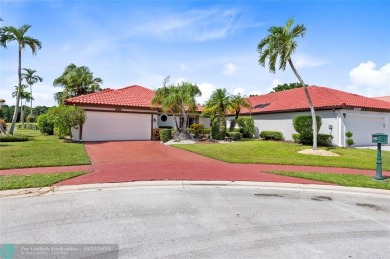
(281, 44)
(178, 100)
(237, 103)
(9, 34)
(76, 81)
(219, 103)
(31, 79)
(23, 96)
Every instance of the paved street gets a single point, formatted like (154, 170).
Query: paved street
(206, 220)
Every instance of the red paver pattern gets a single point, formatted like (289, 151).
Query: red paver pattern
(149, 160)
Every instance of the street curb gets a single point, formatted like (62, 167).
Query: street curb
(30, 192)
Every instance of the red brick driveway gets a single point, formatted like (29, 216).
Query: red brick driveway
(149, 160)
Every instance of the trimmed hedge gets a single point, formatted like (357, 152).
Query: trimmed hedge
(13, 138)
(271, 135)
(197, 130)
(165, 135)
(234, 135)
(322, 139)
(303, 124)
(247, 126)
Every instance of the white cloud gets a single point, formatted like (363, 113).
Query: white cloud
(369, 81)
(239, 90)
(230, 69)
(207, 89)
(275, 83)
(193, 25)
(303, 61)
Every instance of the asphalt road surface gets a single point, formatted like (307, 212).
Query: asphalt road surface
(205, 221)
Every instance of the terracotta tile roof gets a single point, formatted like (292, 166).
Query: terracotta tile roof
(383, 98)
(322, 97)
(130, 96)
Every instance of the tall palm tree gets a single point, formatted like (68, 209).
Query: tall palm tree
(280, 44)
(179, 100)
(76, 81)
(10, 34)
(237, 103)
(24, 95)
(218, 105)
(31, 78)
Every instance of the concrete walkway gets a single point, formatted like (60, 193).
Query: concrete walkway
(129, 161)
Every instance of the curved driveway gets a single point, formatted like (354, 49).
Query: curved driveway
(150, 160)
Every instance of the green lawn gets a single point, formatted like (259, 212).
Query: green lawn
(349, 180)
(41, 151)
(9, 182)
(271, 152)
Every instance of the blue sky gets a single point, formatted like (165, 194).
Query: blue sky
(210, 43)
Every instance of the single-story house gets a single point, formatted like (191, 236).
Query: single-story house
(340, 112)
(123, 114)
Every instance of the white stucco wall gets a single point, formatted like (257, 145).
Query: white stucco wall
(170, 122)
(361, 123)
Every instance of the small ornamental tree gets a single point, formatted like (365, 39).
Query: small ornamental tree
(64, 118)
(247, 126)
(303, 125)
(349, 139)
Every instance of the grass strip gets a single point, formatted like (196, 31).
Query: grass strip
(10, 182)
(350, 180)
(41, 151)
(281, 153)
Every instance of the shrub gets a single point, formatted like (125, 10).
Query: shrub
(234, 135)
(296, 138)
(349, 141)
(197, 129)
(303, 124)
(165, 135)
(272, 135)
(216, 130)
(156, 134)
(206, 131)
(324, 140)
(348, 134)
(61, 130)
(13, 138)
(3, 123)
(45, 125)
(307, 139)
(31, 118)
(247, 126)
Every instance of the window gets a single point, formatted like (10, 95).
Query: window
(163, 118)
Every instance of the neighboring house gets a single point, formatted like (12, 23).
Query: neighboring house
(383, 98)
(123, 114)
(340, 112)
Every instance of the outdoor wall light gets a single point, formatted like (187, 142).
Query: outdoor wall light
(345, 115)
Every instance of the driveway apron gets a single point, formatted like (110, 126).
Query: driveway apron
(127, 161)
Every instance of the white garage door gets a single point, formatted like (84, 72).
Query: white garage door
(363, 126)
(101, 126)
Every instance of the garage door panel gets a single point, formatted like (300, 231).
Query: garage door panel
(101, 126)
(362, 127)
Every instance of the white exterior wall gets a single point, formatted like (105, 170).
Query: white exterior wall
(170, 122)
(361, 123)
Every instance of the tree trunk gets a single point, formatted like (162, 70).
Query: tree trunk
(313, 114)
(11, 131)
(2, 130)
(31, 99)
(21, 112)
